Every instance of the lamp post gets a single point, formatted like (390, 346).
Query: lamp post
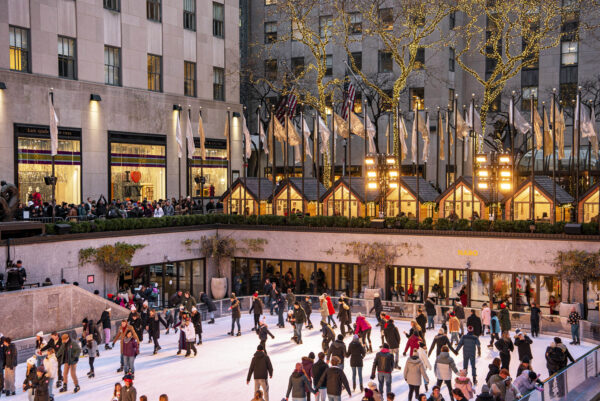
(495, 173)
(382, 174)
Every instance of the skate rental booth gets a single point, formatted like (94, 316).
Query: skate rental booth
(458, 198)
(303, 194)
(246, 197)
(348, 197)
(543, 201)
(408, 199)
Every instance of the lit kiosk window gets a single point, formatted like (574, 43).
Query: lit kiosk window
(214, 168)
(137, 166)
(34, 162)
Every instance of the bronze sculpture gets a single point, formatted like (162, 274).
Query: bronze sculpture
(9, 201)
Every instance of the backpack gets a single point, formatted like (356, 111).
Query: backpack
(556, 357)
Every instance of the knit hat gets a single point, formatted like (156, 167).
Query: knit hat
(368, 393)
(181, 307)
(485, 389)
(40, 334)
(462, 372)
(372, 385)
(133, 308)
(517, 332)
(108, 309)
(145, 303)
(194, 309)
(298, 367)
(260, 348)
(452, 314)
(502, 305)
(387, 317)
(470, 328)
(31, 361)
(128, 378)
(355, 337)
(255, 295)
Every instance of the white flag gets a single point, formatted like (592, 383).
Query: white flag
(466, 148)
(462, 128)
(537, 129)
(425, 133)
(403, 135)
(53, 128)
(263, 137)
(474, 121)
(189, 134)
(413, 139)
(247, 140)
(516, 119)
(440, 132)
(325, 135)
(306, 135)
(202, 138)
(178, 137)
(371, 134)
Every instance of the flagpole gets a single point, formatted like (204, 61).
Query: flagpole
(424, 145)
(364, 172)
(417, 162)
(532, 190)
(473, 144)
(387, 135)
(512, 158)
(554, 155)
(202, 180)
(333, 155)
(245, 162)
(188, 166)
(462, 159)
(437, 151)
(229, 170)
(455, 153)
(544, 128)
(180, 145)
(578, 152)
(303, 158)
(52, 177)
(260, 145)
(448, 156)
(287, 159)
(350, 158)
(399, 161)
(316, 161)
(273, 151)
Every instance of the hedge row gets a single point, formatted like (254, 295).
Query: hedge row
(520, 226)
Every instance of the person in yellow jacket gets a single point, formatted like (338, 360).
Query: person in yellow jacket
(454, 328)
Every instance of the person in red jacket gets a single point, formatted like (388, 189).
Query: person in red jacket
(331, 311)
(413, 344)
(363, 329)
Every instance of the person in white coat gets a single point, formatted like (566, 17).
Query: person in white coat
(422, 353)
(486, 317)
(443, 368)
(51, 366)
(190, 337)
(158, 212)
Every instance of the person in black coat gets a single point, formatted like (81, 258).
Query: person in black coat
(307, 306)
(439, 341)
(431, 312)
(263, 332)
(494, 369)
(236, 314)
(10, 364)
(2, 348)
(174, 302)
(318, 370)
(535, 320)
(328, 335)
(262, 369)
(505, 346)
(475, 321)
(377, 307)
(421, 319)
(523, 344)
(337, 349)
(136, 322)
(257, 308)
(392, 338)
(197, 322)
(153, 328)
(356, 352)
(334, 379)
(204, 298)
(105, 320)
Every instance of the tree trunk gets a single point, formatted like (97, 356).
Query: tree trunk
(569, 291)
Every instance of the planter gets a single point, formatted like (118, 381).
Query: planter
(218, 287)
(370, 293)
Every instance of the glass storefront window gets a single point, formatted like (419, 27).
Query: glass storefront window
(170, 287)
(458, 283)
(185, 275)
(360, 281)
(214, 169)
(342, 278)
(35, 163)
(240, 277)
(416, 285)
(593, 295)
(273, 270)
(408, 207)
(523, 206)
(480, 288)
(289, 275)
(526, 291)
(502, 289)
(256, 280)
(345, 203)
(461, 203)
(281, 201)
(198, 278)
(590, 207)
(137, 171)
(323, 277)
(306, 278)
(396, 283)
(437, 285)
(241, 202)
(550, 294)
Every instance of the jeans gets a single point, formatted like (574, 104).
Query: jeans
(334, 397)
(387, 378)
(396, 353)
(575, 332)
(129, 364)
(235, 320)
(454, 337)
(413, 390)
(122, 360)
(430, 324)
(258, 383)
(356, 369)
(280, 320)
(298, 332)
(73, 370)
(107, 336)
(321, 395)
(466, 360)
(50, 387)
(331, 321)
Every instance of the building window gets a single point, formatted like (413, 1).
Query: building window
(329, 65)
(529, 93)
(112, 65)
(451, 94)
(218, 20)
(113, 5)
(218, 84)
(355, 24)
(270, 32)
(385, 62)
(296, 34)
(189, 14)
(189, 85)
(417, 98)
(452, 20)
(529, 77)
(154, 10)
(66, 58)
(568, 93)
(420, 58)
(386, 16)
(214, 168)
(357, 56)
(154, 73)
(271, 70)
(298, 65)
(568, 53)
(451, 59)
(19, 49)
(325, 24)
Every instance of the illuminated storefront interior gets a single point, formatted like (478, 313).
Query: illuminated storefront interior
(543, 197)
(214, 169)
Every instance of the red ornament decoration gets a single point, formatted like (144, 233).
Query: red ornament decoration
(136, 176)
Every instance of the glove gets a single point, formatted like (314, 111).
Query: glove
(372, 377)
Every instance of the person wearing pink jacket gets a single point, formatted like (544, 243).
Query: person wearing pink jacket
(486, 317)
(363, 329)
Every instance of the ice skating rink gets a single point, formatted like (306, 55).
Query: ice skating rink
(219, 371)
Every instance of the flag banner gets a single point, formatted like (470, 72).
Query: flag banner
(189, 135)
(588, 129)
(270, 138)
(226, 133)
(178, 137)
(247, 140)
(387, 135)
(202, 138)
(263, 138)
(341, 126)
(349, 100)
(466, 148)
(426, 135)
(297, 154)
(278, 130)
(547, 136)
(576, 127)
(292, 134)
(403, 133)
(558, 129)
(462, 129)
(413, 139)
(440, 132)
(53, 127)
(515, 118)
(306, 135)
(537, 129)
(325, 135)
(357, 126)
(450, 137)
(371, 134)
(474, 121)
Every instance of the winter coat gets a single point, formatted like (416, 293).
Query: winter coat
(414, 371)
(377, 306)
(154, 325)
(465, 385)
(69, 352)
(523, 384)
(10, 356)
(299, 316)
(337, 348)
(524, 347)
(422, 354)
(190, 332)
(263, 332)
(356, 352)
(430, 307)
(323, 308)
(307, 365)
(412, 344)
(383, 362)
(438, 342)
(493, 370)
(453, 325)
(30, 376)
(486, 316)
(343, 312)
(511, 393)
(470, 343)
(328, 333)
(361, 325)
(197, 322)
(52, 344)
(307, 306)
(131, 347)
(298, 385)
(444, 366)
(535, 314)
(128, 394)
(504, 346)
(188, 303)
(257, 306)
(40, 388)
(421, 320)
(138, 325)
(204, 298)
(475, 322)
(335, 380)
(51, 366)
(459, 311)
(504, 317)
(318, 370)
(175, 300)
(391, 334)
(122, 333)
(260, 366)
(495, 325)
(235, 309)
(330, 308)
(290, 299)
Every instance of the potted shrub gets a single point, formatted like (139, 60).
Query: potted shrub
(575, 266)
(221, 249)
(375, 256)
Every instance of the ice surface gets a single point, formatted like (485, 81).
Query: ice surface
(219, 371)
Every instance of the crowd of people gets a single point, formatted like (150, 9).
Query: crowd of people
(319, 373)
